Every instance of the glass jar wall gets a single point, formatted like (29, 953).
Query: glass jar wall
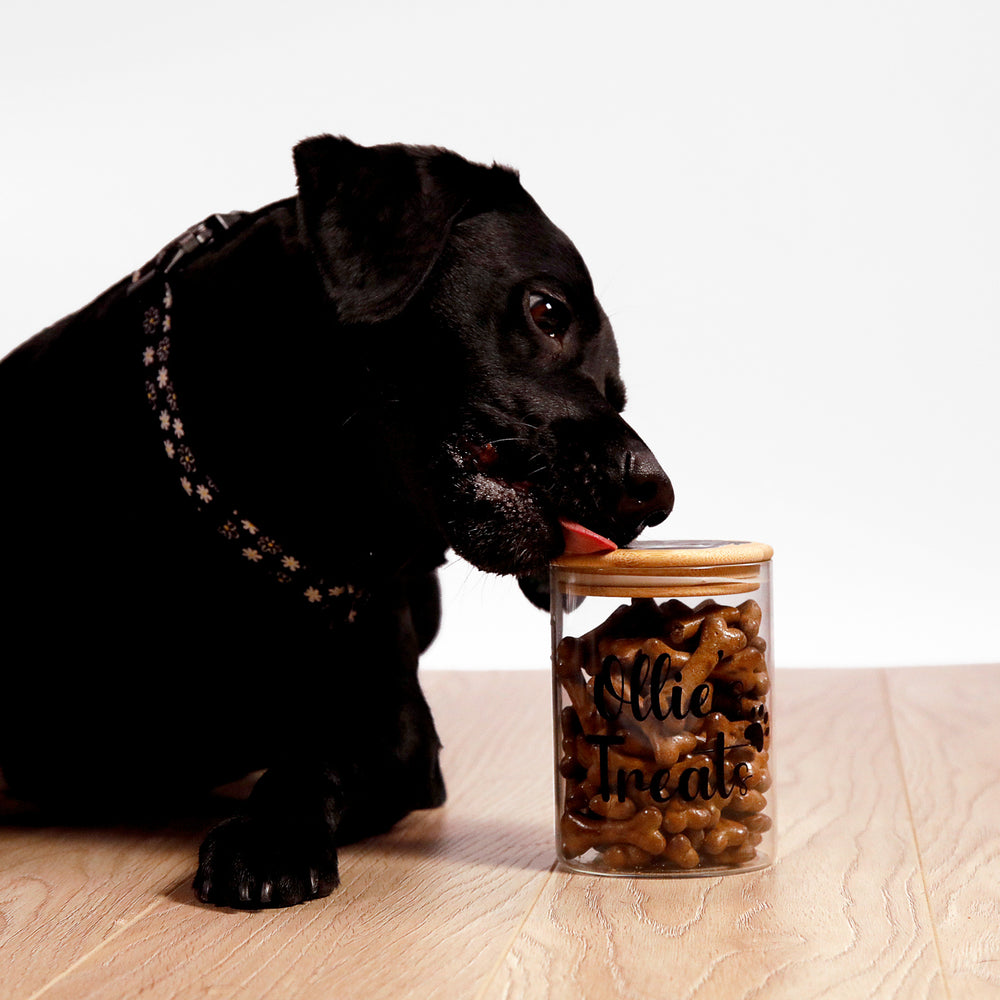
(662, 683)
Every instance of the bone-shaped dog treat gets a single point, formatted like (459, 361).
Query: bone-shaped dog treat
(620, 856)
(640, 617)
(697, 815)
(750, 618)
(578, 794)
(570, 729)
(747, 668)
(726, 833)
(589, 757)
(613, 808)
(681, 852)
(626, 649)
(716, 641)
(757, 822)
(581, 834)
(741, 855)
(687, 623)
(568, 668)
(715, 723)
(763, 781)
(668, 750)
(752, 802)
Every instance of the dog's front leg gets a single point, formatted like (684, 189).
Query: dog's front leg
(282, 849)
(369, 757)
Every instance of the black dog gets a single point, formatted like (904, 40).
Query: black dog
(228, 482)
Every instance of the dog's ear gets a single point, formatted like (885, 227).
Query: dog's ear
(377, 217)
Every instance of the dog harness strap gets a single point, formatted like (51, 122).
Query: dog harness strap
(336, 600)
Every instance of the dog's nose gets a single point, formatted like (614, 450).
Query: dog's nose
(647, 496)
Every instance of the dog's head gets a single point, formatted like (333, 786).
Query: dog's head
(486, 321)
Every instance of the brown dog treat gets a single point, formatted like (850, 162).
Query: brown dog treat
(581, 834)
(697, 838)
(739, 748)
(741, 855)
(715, 642)
(757, 822)
(614, 809)
(622, 856)
(569, 763)
(589, 757)
(725, 834)
(577, 797)
(755, 775)
(746, 668)
(569, 671)
(680, 816)
(750, 618)
(680, 852)
(668, 750)
(685, 626)
(625, 619)
(741, 805)
(636, 744)
(626, 650)
(715, 723)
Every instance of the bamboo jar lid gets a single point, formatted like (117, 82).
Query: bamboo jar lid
(666, 569)
(655, 555)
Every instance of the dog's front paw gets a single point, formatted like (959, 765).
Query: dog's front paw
(250, 864)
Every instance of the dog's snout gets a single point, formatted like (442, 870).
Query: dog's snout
(647, 495)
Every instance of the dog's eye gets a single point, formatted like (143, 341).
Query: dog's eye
(549, 315)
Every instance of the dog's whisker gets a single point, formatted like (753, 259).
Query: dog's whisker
(372, 407)
(495, 441)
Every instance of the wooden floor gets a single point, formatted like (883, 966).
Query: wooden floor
(887, 882)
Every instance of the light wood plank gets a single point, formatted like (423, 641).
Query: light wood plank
(947, 724)
(65, 892)
(427, 910)
(841, 914)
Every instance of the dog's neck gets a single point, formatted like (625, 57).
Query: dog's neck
(258, 543)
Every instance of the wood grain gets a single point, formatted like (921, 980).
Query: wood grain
(886, 883)
(947, 725)
(65, 892)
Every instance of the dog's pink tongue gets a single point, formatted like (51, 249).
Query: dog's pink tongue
(581, 541)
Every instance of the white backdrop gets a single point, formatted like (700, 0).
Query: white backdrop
(791, 212)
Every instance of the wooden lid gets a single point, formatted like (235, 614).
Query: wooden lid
(669, 555)
(665, 569)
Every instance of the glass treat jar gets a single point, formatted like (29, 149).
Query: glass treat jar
(662, 684)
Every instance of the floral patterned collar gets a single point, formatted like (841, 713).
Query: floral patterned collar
(338, 601)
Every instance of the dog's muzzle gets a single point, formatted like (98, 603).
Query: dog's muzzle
(645, 500)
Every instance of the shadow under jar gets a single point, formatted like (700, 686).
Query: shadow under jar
(662, 686)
